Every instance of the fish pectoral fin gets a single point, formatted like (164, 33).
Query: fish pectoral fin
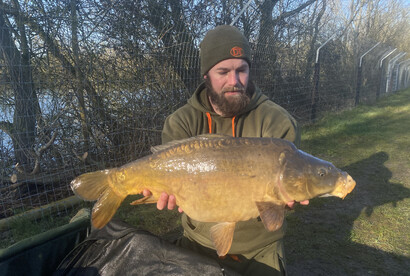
(222, 236)
(326, 195)
(272, 215)
(144, 200)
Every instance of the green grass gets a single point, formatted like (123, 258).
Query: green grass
(369, 231)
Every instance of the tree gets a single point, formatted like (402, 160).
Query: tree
(22, 129)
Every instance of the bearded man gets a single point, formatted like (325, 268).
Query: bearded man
(229, 103)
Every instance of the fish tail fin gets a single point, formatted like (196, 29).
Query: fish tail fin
(90, 186)
(95, 186)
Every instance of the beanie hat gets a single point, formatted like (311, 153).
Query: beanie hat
(223, 42)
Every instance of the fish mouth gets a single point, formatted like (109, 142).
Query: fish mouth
(344, 186)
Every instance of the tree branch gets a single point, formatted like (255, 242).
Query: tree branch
(40, 151)
(7, 127)
(284, 15)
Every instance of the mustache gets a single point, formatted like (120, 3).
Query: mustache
(234, 89)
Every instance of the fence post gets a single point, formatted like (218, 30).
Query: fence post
(389, 74)
(406, 77)
(240, 13)
(399, 74)
(359, 75)
(381, 72)
(315, 91)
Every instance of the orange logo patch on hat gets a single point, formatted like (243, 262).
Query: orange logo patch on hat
(236, 51)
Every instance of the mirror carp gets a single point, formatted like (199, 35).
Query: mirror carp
(218, 179)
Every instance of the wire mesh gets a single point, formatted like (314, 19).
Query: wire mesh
(87, 85)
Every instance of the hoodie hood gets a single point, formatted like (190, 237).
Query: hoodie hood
(199, 101)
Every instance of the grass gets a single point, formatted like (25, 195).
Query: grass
(368, 233)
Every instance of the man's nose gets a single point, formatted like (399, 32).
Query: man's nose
(233, 78)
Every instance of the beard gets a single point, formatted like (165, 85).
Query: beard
(232, 105)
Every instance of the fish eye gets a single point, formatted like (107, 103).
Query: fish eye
(322, 172)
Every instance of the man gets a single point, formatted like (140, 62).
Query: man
(227, 102)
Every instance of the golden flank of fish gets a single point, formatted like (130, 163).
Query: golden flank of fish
(218, 179)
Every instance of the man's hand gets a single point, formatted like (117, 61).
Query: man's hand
(164, 200)
(291, 204)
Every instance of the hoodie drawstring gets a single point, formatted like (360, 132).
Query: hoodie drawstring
(233, 126)
(210, 124)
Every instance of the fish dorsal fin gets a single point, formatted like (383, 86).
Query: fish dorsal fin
(168, 145)
(272, 215)
(222, 236)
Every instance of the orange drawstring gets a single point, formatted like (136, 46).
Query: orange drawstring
(209, 122)
(233, 126)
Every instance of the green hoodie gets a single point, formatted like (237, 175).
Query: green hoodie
(260, 118)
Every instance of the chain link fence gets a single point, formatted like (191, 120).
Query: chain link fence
(87, 85)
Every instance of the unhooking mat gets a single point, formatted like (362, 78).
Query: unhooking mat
(120, 249)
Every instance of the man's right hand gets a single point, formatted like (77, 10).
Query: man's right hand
(164, 200)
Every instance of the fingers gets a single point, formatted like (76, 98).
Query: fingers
(167, 200)
(164, 200)
(291, 204)
(146, 192)
(171, 202)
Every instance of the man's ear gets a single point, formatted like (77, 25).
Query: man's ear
(205, 77)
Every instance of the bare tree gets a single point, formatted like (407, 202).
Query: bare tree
(23, 129)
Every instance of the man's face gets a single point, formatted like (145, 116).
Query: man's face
(227, 84)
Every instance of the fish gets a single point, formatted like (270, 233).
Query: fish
(217, 178)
